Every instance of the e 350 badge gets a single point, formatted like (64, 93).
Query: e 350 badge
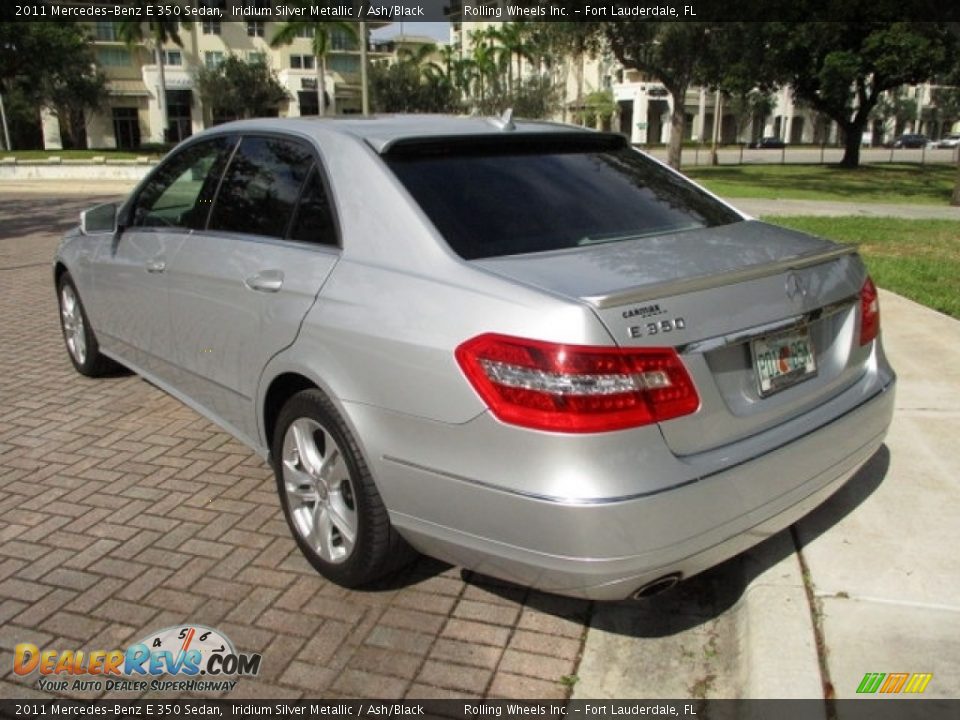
(183, 652)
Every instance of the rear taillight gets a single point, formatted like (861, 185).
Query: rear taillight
(869, 312)
(575, 388)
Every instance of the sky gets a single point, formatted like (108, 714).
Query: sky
(436, 30)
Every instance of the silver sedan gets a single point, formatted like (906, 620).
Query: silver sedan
(520, 347)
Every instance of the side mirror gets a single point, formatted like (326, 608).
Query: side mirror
(99, 219)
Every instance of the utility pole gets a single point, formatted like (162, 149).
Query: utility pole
(6, 131)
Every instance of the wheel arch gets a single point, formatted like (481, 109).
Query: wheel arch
(58, 271)
(281, 388)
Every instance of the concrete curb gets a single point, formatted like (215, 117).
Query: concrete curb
(776, 633)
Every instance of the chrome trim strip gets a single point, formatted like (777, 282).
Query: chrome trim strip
(530, 495)
(793, 321)
(707, 282)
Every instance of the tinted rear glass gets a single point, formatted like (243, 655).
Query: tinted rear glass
(489, 203)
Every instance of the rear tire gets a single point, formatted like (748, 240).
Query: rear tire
(82, 346)
(328, 496)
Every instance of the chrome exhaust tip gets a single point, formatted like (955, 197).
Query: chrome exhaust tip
(656, 587)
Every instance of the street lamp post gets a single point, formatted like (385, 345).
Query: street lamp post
(364, 88)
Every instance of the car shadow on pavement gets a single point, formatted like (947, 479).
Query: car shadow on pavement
(712, 593)
(22, 215)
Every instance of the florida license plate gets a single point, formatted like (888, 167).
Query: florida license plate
(782, 360)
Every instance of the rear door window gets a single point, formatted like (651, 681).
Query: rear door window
(314, 220)
(261, 186)
(490, 201)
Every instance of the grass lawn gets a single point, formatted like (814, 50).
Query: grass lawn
(82, 154)
(919, 259)
(896, 183)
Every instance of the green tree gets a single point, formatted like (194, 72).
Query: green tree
(512, 37)
(675, 53)
(48, 65)
(842, 69)
(406, 86)
(73, 97)
(575, 40)
(895, 105)
(158, 33)
(945, 108)
(600, 105)
(534, 97)
(237, 89)
(321, 33)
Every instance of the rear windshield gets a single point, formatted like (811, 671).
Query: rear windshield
(489, 203)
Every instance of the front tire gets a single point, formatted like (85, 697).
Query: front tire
(328, 496)
(78, 335)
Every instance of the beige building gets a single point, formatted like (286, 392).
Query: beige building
(133, 115)
(644, 105)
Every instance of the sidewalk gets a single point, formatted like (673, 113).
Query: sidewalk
(758, 207)
(880, 559)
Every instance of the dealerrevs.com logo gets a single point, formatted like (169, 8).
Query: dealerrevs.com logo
(198, 658)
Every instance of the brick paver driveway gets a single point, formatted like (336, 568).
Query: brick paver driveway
(123, 512)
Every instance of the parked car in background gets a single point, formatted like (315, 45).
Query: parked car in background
(949, 141)
(520, 347)
(768, 143)
(910, 141)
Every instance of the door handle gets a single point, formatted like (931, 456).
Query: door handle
(157, 265)
(265, 281)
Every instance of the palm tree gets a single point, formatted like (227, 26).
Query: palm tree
(513, 37)
(159, 33)
(484, 59)
(321, 33)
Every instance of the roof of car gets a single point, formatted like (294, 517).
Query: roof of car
(382, 131)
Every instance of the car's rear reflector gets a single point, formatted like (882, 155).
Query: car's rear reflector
(576, 388)
(869, 312)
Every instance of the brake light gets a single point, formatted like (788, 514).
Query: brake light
(575, 388)
(869, 312)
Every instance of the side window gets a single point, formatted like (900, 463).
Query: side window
(179, 193)
(261, 186)
(314, 219)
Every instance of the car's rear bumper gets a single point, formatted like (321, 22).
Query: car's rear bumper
(607, 548)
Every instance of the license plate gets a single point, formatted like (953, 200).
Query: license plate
(782, 360)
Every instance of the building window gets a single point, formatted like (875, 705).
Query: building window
(302, 62)
(211, 27)
(212, 59)
(257, 57)
(106, 32)
(308, 83)
(306, 32)
(344, 64)
(340, 40)
(173, 58)
(255, 29)
(113, 57)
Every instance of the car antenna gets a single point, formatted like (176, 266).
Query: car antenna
(505, 121)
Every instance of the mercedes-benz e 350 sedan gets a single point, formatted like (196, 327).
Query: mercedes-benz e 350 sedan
(523, 348)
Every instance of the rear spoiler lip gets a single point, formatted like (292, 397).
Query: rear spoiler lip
(708, 282)
(426, 145)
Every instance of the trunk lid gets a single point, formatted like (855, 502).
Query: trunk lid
(711, 293)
